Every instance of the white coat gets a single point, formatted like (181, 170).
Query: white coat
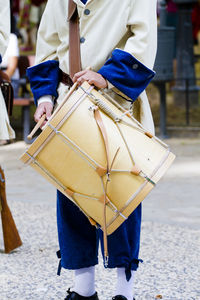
(130, 25)
(6, 132)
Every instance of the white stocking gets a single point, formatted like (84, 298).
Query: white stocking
(84, 281)
(124, 287)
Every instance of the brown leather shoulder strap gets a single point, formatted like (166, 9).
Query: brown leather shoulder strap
(74, 39)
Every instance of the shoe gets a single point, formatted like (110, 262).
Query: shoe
(120, 297)
(75, 296)
(4, 142)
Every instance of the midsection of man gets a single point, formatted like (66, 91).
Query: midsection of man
(126, 29)
(104, 26)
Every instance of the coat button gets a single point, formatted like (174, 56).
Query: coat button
(135, 66)
(86, 12)
(82, 40)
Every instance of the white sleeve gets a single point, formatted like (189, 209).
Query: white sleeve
(4, 25)
(143, 24)
(47, 98)
(47, 37)
(13, 48)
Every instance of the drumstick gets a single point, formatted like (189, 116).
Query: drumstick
(37, 126)
(39, 123)
(42, 119)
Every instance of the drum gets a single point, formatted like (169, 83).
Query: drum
(99, 156)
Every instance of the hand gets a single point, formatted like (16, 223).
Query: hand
(4, 76)
(91, 77)
(43, 108)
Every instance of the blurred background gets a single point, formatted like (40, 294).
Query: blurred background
(171, 213)
(174, 94)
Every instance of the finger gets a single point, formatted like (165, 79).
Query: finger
(79, 74)
(38, 114)
(97, 83)
(80, 80)
(49, 109)
(92, 81)
(44, 123)
(101, 83)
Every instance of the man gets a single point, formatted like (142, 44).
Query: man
(118, 42)
(10, 233)
(6, 132)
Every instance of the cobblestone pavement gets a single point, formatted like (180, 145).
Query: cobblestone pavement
(170, 241)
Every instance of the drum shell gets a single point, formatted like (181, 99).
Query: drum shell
(71, 150)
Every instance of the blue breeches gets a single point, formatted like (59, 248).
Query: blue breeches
(79, 240)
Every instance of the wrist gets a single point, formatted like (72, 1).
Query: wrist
(46, 98)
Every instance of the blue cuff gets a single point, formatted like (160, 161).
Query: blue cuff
(126, 73)
(44, 79)
(0, 59)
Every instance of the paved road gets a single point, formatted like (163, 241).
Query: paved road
(170, 243)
